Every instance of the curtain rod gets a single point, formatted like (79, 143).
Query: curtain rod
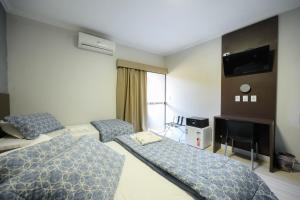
(140, 66)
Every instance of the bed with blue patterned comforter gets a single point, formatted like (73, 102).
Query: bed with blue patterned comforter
(61, 168)
(111, 128)
(203, 174)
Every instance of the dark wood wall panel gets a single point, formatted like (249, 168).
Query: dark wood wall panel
(263, 85)
(4, 105)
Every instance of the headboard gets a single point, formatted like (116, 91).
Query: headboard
(4, 105)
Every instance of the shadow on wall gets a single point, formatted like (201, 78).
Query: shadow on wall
(280, 144)
(199, 64)
(172, 111)
(195, 73)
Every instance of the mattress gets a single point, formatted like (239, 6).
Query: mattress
(77, 131)
(138, 181)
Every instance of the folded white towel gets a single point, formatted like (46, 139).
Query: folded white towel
(145, 137)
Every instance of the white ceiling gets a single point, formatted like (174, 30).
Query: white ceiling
(158, 26)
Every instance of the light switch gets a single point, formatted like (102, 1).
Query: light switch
(245, 98)
(253, 98)
(237, 98)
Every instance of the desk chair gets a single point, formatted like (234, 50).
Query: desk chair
(241, 132)
(176, 123)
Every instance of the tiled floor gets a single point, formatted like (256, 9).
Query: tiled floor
(285, 185)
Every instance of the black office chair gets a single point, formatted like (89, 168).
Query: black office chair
(241, 132)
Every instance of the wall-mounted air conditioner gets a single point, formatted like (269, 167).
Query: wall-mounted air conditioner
(93, 43)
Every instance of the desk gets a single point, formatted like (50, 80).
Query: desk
(264, 130)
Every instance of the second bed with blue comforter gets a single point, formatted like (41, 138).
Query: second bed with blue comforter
(111, 128)
(203, 174)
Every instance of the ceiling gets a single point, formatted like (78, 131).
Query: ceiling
(157, 26)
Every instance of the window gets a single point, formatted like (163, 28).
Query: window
(156, 98)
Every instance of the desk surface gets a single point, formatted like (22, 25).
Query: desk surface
(248, 119)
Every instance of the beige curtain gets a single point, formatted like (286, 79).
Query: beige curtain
(132, 97)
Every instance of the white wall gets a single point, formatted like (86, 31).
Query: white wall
(48, 73)
(3, 52)
(194, 81)
(288, 91)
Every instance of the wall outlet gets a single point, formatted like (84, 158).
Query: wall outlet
(253, 98)
(245, 98)
(237, 98)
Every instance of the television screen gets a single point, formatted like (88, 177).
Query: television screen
(248, 62)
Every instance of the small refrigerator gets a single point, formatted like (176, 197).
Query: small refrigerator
(199, 137)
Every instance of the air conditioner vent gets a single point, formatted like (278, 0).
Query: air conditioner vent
(93, 43)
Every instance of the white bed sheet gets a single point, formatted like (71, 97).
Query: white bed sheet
(9, 143)
(15, 144)
(77, 131)
(138, 181)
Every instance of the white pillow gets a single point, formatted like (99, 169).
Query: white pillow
(11, 130)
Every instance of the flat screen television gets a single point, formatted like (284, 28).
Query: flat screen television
(251, 61)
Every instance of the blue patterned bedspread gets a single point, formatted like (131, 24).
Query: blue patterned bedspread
(109, 129)
(204, 174)
(61, 169)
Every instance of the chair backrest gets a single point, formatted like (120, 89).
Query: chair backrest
(179, 120)
(240, 129)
